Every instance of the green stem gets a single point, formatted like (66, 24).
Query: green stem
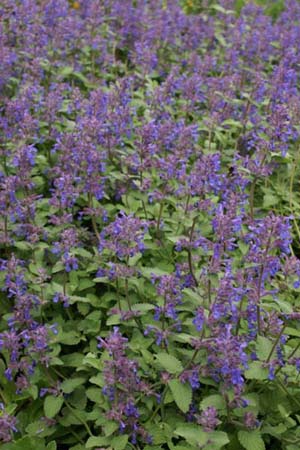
(253, 185)
(76, 435)
(275, 344)
(239, 317)
(292, 397)
(251, 197)
(260, 282)
(293, 173)
(59, 373)
(159, 217)
(3, 398)
(190, 261)
(190, 362)
(158, 406)
(145, 210)
(294, 351)
(84, 423)
(94, 224)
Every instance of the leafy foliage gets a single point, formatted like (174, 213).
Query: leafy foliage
(149, 235)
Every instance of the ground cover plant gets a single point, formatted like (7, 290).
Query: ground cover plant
(149, 228)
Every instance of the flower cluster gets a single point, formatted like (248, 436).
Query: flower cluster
(7, 425)
(122, 384)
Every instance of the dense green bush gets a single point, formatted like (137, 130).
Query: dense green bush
(149, 230)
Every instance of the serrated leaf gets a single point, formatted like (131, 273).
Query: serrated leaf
(119, 442)
(78, 447)
(213, 400)
(243, 247)
(193, 434)
(157, 433)
(25, 443)
(72, 360)
(292, 331)
(97, 441)
(68, 338)
(269, 200)
(58, 267)
(98, 380)
(149, 271)
(85, 283)
(23, 245)
(263, 348)
(69, 386)
(94, 394)
(275, 431)
(183, 337)
(82, 252)
(142, 307)
(217, 440)
(169, 362)
(251, 440)
(52, 405)
(39, 428)
(114, 319)
(178, 447)
(110, 427)
(283, 412)
(182, 394)
(92, 360)
(66, 71)
(256, 371)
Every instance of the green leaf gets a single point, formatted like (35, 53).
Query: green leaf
(251, 440)
(182, 394)
(73, 359)
(270, 200)
(256, 371)
(52, 405)
(149, 271)
(110, 427)
(85, 283)
(95, 395)
(92, 360)
(292, 331)
(275, 431)
(82, 252)
(263, 348)
(119, 442)
(193, 434)
(26, 443)
(143, 307)
(213, 400)
(98, 380)
(114, 319)
(154, 447)
(243, 247)
(95, 441)
(217, 440)
(23, 245)
(169, 362)
(39, 428)
(68, 338)
(66, 71)
(178, 447)
(51, 446)
(69, 386)
(58, 267)
(283, 412)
